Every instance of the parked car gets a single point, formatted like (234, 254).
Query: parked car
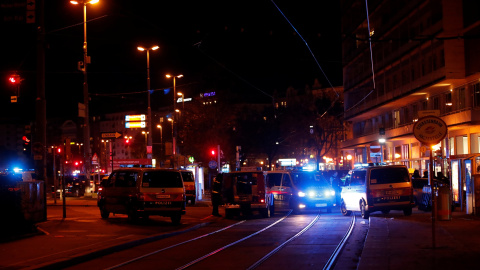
(140, 192)
(244, 192)
(377, 188)
(190, 186)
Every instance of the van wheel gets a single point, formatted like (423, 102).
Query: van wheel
(365, 214)
(407, 211)
(385, 211)
(103, 212)
(176, 219)
(343, 209)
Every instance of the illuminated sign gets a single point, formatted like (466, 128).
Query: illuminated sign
(135, 117)
(179, 100)
(285, 162)
(135, 125)
(208, 94)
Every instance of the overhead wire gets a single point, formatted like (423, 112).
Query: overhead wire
(314, 57)
(371, 59)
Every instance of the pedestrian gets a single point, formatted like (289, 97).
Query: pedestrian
(335, 181)
(216, 194)
(425, 174)
(416, 174)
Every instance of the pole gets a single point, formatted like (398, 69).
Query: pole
(173, 121)
(430, 181)
(54, 178)
(111, 153)
(219, 166)
(149, 128)
(63, 184)
(86, 126)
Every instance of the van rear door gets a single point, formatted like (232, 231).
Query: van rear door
(389, 185)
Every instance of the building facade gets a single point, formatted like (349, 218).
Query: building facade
(406, 59)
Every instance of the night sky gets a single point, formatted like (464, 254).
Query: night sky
(215, 44)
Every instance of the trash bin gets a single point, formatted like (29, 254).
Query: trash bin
(444, 203)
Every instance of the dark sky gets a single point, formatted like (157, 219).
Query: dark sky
(215, 44)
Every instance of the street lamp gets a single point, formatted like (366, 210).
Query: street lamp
(83, 68)
(174, 105)
(183, 99)
(173, 144)
(149, 128)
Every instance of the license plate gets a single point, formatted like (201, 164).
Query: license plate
(163, 203)
(320, 204)
(279, 197)
(163, 196)
(391, 192)
(391, 198)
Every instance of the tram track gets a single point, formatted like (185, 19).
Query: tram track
(199, 261)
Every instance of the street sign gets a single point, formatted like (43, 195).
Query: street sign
(111, 135)
(212, 164)
(430, 130)
(375, 147)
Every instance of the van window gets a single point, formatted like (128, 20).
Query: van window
(244, 182)
(187, 177)
(389, 175)
(286, 180)
(162, 179)
(126, 179)
(274, 179)
(358, 178)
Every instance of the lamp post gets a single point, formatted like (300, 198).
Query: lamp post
(173, 144)
(161, 141)
(83, 68)
(149, 113)
(146, 139)
(173, 119)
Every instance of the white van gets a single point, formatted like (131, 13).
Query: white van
(377, 188)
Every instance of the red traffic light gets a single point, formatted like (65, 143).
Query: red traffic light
(14, 79)
(212, 152)
(59, 150)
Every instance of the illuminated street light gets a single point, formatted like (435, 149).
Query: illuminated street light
(149, 113)
(83, 68)
(174, 105)
(183, 99)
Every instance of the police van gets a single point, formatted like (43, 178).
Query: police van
(140, 192)
(377, 188)
(244, 192)
(300, 190)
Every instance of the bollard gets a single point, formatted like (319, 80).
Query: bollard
(444, 203)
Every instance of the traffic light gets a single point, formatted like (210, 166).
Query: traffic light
(27, 146)
(14, 79)
(212, 152)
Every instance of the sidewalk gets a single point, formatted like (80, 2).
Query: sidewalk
(59, 242)
(402, 242)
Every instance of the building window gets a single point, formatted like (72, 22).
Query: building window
(436, 104)
(476, 94)
(396, 118)
(461, 98)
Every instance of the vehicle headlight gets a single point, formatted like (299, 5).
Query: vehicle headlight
(329, 193)
(301, 194)
(311, 194)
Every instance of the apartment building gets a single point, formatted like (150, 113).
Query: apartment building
(406, 59)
